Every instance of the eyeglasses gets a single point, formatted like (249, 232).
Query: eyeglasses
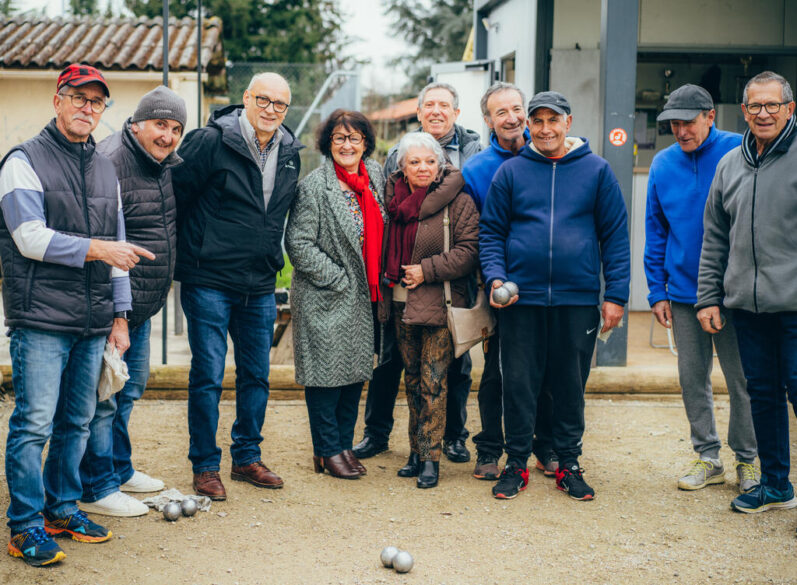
(341, 139)
(80, 101)
(263, 101)
(771, 108)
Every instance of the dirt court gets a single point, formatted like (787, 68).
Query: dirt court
(639, 530)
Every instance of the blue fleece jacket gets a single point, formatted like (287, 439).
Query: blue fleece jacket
(480, 169)
(549, 224)
(678, 187)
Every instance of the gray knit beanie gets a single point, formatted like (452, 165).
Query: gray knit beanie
(161, 103)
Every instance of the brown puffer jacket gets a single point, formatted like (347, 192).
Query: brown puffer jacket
(426, 304)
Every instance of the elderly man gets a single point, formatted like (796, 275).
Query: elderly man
(143, 154)
(678, 185)
(503, 106)
(233, 193)
(65, 290)
(748, 265)
(438, 110)
(553, 216)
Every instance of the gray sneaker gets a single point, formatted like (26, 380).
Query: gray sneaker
(749, 476)
(702, 473)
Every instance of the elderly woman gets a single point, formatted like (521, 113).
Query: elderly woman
(334, 240)
(415, 266)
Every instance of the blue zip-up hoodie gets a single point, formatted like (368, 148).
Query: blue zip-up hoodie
(678, 187)
(480, 169)
(549, 224)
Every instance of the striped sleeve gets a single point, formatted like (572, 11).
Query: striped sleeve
(120, 279)
(22, 203)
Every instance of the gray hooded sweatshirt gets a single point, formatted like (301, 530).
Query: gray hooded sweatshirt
(749, 257)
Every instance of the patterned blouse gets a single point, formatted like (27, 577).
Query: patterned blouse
(356, 213)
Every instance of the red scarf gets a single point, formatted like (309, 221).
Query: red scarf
(403, 211)
(374, 225)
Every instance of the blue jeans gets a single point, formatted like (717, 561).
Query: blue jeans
(107, 463)
(210, 314)
(333, 414)
(55, 379)
(768, 348)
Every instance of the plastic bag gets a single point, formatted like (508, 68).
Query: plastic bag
(114, 373)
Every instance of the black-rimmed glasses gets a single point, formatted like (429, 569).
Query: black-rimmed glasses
(771, 108)
(263, 101)
(80, 101)
(340, 139)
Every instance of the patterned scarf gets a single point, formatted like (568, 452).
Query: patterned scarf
(373, 224)
(750, 149)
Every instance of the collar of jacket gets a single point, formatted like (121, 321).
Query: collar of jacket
(779, 145)
(495, 144)
(576, 148)
(226, 120)
(73, 149)
(130, 141)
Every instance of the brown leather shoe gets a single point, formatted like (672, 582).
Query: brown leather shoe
(336, 465)
(208, 483)
(353, 462)
(257, 474)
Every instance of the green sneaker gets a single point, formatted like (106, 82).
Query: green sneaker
(35, 547)
(762, 498)
(749, 476)
(702, 473)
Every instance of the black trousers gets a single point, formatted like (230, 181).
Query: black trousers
(383, 389)
(490, 441)
(546, 347)
(333, 414)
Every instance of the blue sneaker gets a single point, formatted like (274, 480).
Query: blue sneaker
(762, 498)
(78, 526)
(35, 547)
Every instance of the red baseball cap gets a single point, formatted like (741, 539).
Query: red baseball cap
(77, 75)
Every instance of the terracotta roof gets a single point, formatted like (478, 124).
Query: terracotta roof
(132, 44)
(403, 110)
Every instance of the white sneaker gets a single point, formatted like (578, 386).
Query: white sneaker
(142, 483)
(116, 504)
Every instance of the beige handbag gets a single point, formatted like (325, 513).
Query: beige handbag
(467, 326)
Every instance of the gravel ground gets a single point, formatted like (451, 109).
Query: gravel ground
(639, 529)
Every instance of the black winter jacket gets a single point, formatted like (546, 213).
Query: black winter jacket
(80, 199)
(150, 218)
(226, 239)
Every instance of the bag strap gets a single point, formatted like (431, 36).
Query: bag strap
(446, 248)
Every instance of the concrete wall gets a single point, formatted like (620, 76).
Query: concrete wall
(26, 105)
(512, 27)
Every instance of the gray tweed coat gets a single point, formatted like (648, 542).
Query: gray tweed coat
(333, 324)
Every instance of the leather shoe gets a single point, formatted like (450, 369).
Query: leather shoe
(208, 483)
(412, 468)
(336, 465)
(368, 447)
(353, 462)
(430, 472)
(456, 451)
(257, 474)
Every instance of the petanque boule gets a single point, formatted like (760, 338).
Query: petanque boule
(172, 511)
(511, 288)
(501, 296)
(189, 507)
(388, 554)
(403, 562)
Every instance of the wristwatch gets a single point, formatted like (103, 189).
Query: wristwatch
(120, 315)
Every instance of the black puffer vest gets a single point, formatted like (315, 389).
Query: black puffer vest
(150, 218)
(80, 199)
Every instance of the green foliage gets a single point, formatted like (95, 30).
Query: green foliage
(7, 7)
(439, 30)
(83, 7)
(284, 275)
(282, 31)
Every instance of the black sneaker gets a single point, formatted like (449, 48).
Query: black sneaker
(35, 547)
(514, 479)
(78, 527)
(571, 480)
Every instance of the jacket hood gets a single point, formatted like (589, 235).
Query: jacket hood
(494, 141)
(466, 136)
(226, 120)
(576, 148)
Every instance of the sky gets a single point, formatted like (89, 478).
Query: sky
(364, 22)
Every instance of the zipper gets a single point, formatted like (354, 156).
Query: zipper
(752, 237)
(29, 287)
(550, 237)
(88, 233)
(166, 231)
